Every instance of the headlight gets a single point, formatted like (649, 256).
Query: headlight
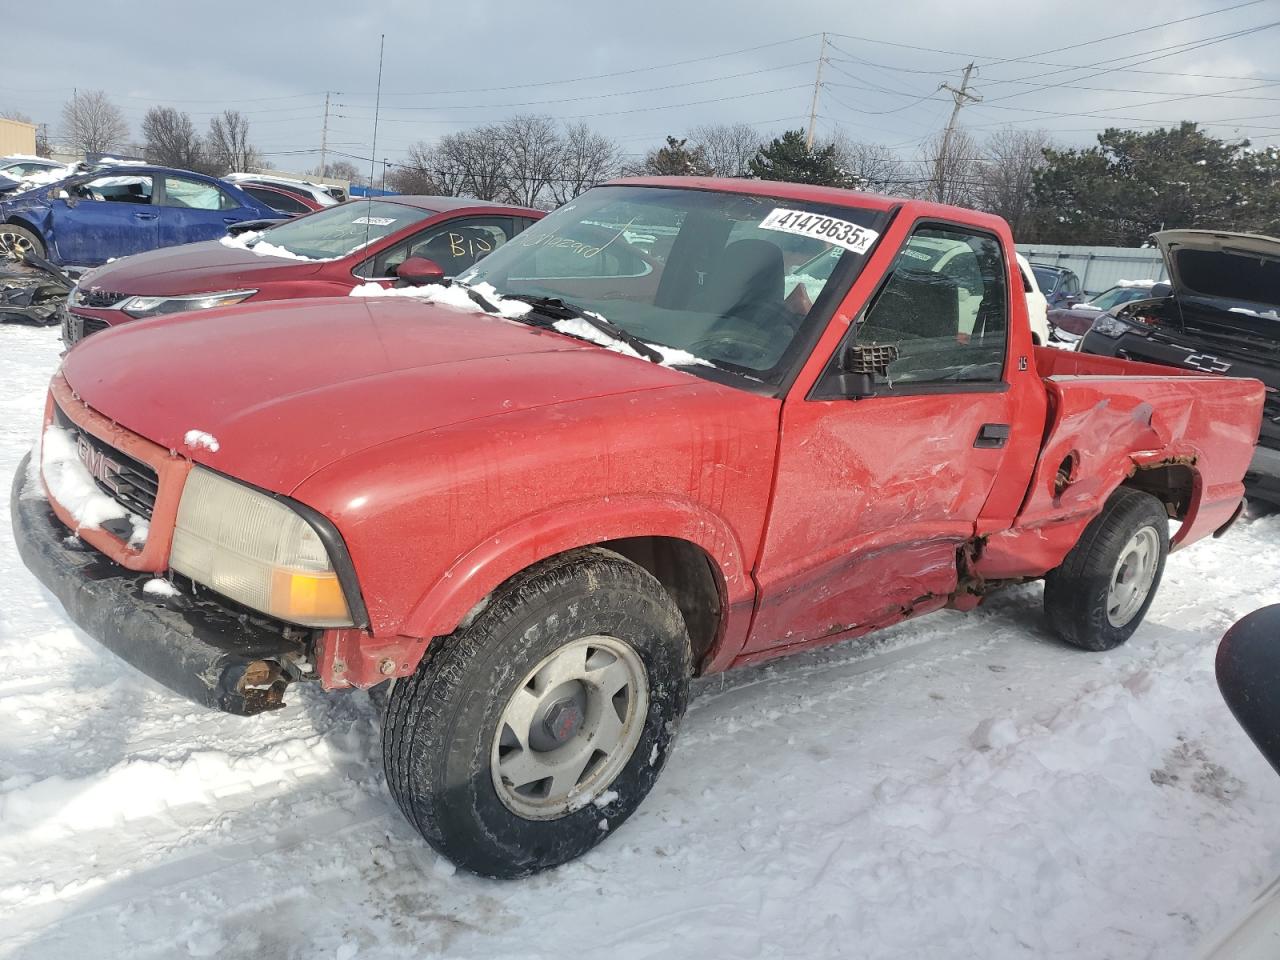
(1114, 327)
(257, 551)
(153, 306)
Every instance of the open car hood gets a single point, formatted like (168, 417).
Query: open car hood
(1243, 268)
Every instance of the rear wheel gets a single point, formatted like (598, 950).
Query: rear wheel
(16, 242)
(530, 733)
(1098, 596)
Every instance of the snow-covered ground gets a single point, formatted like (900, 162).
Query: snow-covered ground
(964, 787)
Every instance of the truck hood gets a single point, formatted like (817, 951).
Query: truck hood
(206, 267)
(1233, 270)
(288, 387)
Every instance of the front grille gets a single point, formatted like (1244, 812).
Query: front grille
(132, 483)
(76, 328)
(95, 298)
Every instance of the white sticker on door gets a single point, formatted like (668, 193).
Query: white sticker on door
(821, 227)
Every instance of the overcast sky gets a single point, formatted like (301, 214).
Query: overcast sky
(273, 60)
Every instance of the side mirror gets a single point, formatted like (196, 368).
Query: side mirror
(419, 272)
(1161, 290)
(1248, 669)
(860, 364)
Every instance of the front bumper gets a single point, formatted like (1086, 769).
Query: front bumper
(205, 651)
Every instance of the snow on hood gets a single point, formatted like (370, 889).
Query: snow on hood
(252, 241)
(449, 295)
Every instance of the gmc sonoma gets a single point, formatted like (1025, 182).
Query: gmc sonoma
(592, 471)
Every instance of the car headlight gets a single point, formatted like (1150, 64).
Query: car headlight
(154, 306)
(257, 551)
(1114, 327)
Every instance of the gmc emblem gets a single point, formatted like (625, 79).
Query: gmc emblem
(1202, 361)
(102, 467)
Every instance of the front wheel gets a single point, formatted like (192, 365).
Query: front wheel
(1098, 596)
(16, 242)
(530, 733)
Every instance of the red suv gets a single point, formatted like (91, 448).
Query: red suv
(323, 254)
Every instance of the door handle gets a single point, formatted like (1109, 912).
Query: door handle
(230, 220)
(145, 216)
(992, 436)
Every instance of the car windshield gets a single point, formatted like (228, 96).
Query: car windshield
(733, 279)
(1118, 295)
(337, 231)
(1047, 279)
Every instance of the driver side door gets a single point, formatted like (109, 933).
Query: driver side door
(875, 496)
(104, 218)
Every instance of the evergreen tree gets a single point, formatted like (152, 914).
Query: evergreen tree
(677, 159)
(1134, 183)
(788, 158)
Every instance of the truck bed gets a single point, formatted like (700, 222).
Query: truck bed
(1108, 421)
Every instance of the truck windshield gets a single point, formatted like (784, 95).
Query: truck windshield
(337, 231)
(733, 279)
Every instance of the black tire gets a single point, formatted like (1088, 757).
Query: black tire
(12, 239)
(441, 722)
(1076, 593)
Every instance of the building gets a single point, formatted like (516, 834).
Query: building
(17, 137)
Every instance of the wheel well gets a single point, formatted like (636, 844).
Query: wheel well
(1173, 484)
(689, 575)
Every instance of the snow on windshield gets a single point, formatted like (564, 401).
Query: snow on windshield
(456, 296)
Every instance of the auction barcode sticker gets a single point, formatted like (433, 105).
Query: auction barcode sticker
(375, 221)
(821, 227)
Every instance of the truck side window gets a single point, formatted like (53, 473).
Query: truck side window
(944, 305)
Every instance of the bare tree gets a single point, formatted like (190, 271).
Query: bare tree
(342, 170)
(727, 147)
(93, 124)
(414, 174)
(873, 166)
(471, 163)
(951, 176)
(586, 159)
(533, 152)
(228, 144)
(171, 139)
(1012, 158)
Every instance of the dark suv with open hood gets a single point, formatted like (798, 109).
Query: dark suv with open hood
(1220, 313)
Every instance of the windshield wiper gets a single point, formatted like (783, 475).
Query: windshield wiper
(558, 309)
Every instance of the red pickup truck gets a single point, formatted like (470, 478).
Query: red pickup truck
(677, 426)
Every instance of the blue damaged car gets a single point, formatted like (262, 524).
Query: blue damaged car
(113, 211)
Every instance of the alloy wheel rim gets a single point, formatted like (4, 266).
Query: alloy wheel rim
(1132, 577)
(13, 247)
(570, 727)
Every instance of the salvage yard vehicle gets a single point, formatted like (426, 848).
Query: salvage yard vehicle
(1069, 324)
(1220, 314)
(1060, 285)
(543, 498)
(116, 211)
(324, 254)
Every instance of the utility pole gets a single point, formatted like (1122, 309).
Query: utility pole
(817, 85)
(324, 134)
(961, 97)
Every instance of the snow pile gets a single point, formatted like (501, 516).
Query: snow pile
(195, 439)
(1136, 283)
(449, 295)
(72, 485)
(159, 587)
(671, 357)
